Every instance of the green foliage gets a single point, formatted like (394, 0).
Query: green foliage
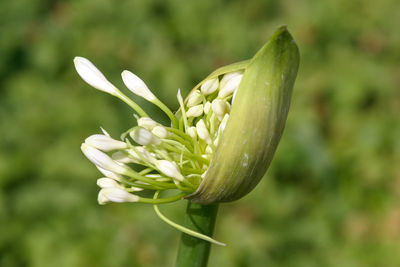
(331, 197)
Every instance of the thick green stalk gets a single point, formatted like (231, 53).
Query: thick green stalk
(194, 252)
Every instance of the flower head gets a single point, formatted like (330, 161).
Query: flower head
(220, 141)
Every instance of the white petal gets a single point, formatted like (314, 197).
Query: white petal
(210, 86)
(229, 84)
(143, 136)
(116, 194)
(194, 99)
(104, 142)
(147, 123)
(170, 169)
(110, 174)
(219, 107)
(102, 160)
(160, 132)
(137, 86)
(202, 131)
(195, 111)
(90, 74)
(107, 182)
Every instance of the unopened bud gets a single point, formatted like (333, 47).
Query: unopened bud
(195, 111)
(90, 74)
(202, 131)
(229, 85)
(107, 182)
(210, 86)
(194, 98)
(102, 160)
(170, 169)
(147, 123)
(160, 132)
(104, 142)
(137, 86)
(143, 137)
(115, 194)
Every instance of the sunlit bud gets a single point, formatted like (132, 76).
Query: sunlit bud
(194, 99)
(223, 124)
(110, 174)
(115, 194)
(195, 111)
(229, 83)
(123, 158)
(104, 142)
(90, 74)
(209, 87)
(102, 160)
(101, 198)
(209, 150)
(137, 86)
(144, 154)
(207, 107)
(107, 182)
(160, 132)
(170, 169)
(216, 140)
(192, 132)
(143, 137)
(234, 95)
(147, 123)
(202, 131)
(219, 107)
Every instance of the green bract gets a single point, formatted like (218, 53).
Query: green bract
(256, 122)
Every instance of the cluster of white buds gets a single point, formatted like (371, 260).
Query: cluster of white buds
(206, 154)
(151, 156)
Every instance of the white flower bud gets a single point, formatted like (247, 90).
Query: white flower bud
(234, 95)
(219, 108)
(209, 150)
(147, 123)
(202, 131)
(146, 155)
(194, 99)
(104, 142)
(160, 132)
(90, 74)
(229, 83)
(137, 86)
(207, 107)
(101, 198)
(169, 169)
(110, 174)
(143, 137)
(102, 160)
(210, 86)
(223, 124)
(123, 158)
(191, 131)
(115, 194)
(107, 182)
(195, 111)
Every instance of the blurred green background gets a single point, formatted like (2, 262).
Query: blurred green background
(332, 195)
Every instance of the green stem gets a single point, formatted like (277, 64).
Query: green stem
(194, 252)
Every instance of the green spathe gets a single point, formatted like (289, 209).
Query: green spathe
(256, 122)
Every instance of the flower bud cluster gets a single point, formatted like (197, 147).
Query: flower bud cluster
(151, 156)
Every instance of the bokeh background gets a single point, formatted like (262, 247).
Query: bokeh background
(331, 196)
